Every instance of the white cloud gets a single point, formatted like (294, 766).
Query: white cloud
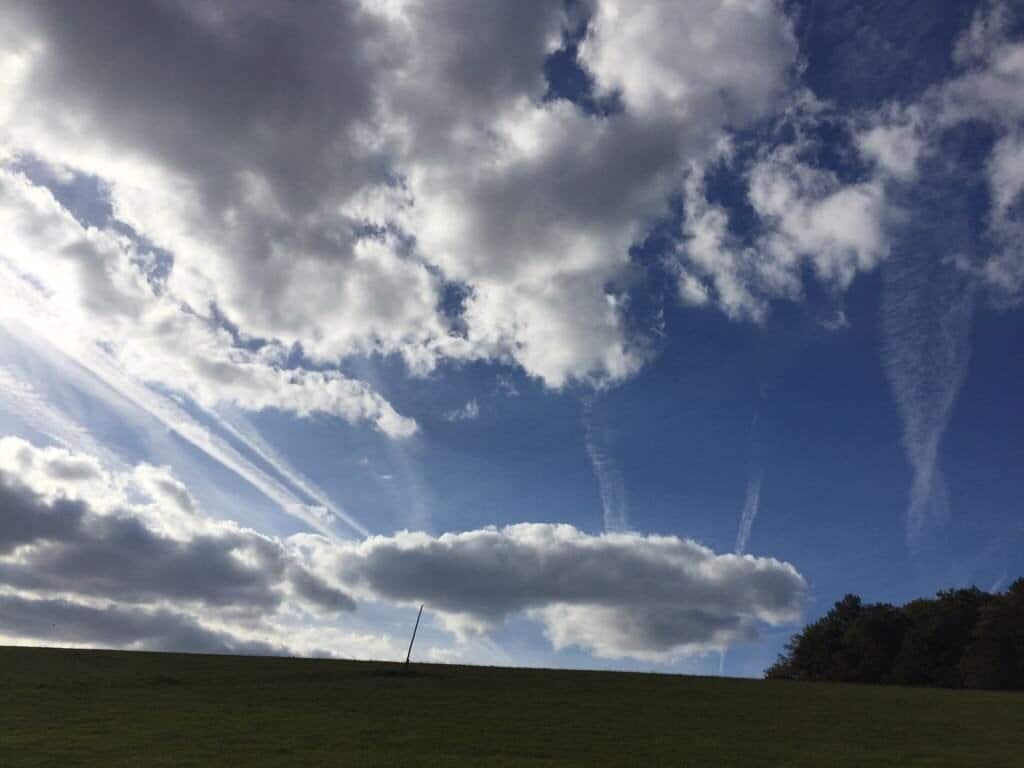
(806, 217)
(91, 367)
(1004, 270)
(991, 89)
(894, 142)
(1006, 173)
(322, 200)
(469, 412)
(837, 228)
(97, 282)
(731, 59)
(988, 88)
(715, 266)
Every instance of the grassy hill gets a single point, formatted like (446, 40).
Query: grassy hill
(105, 708)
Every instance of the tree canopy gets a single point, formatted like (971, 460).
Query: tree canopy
(961, 638)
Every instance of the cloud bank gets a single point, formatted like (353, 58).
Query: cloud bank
(128, 559)
(616, 595)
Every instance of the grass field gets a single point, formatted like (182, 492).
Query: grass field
(103, 708)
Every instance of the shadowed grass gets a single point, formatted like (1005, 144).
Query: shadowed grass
(105, 708)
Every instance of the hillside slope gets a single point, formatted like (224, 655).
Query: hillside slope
(103, 708)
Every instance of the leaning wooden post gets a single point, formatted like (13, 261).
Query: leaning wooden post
(413, 640)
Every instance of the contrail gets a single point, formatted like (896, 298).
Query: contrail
(48, 332)
(926, 321)
(20, 398)
(243, 430)
(751, 505)
(609, 479)
(414, 495)
(752, 501)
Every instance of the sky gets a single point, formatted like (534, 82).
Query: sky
(624, 335)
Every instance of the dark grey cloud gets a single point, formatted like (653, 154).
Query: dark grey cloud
(71, 543)
(74, 469)
(217, 88)
(315, 590)
(24, 520)
(64, 621)
(120, 557)
(620, 594)
(455, 53)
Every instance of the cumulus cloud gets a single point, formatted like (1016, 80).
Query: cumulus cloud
(98, 281)
(615, 595)
(324, 203)
(268, 221)
(90, 556)
(806, 217)
(325, 200)
(687, 64)
(837, 228)
(716, 266)
(893, 140)
(1004, 270)
(991, 89)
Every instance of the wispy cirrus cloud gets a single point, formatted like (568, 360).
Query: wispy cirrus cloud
(20, 398)
(321, 515)
(468, 412)
(926, 321)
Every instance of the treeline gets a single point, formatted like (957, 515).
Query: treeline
(962, 638)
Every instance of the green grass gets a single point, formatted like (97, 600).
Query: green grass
(103, 708)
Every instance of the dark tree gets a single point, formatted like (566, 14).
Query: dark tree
(813, 653)
(995, 656)
(871, 645)
(961, 637)
(938, 633)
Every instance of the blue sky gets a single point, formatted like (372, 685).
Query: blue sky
(618, 336)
